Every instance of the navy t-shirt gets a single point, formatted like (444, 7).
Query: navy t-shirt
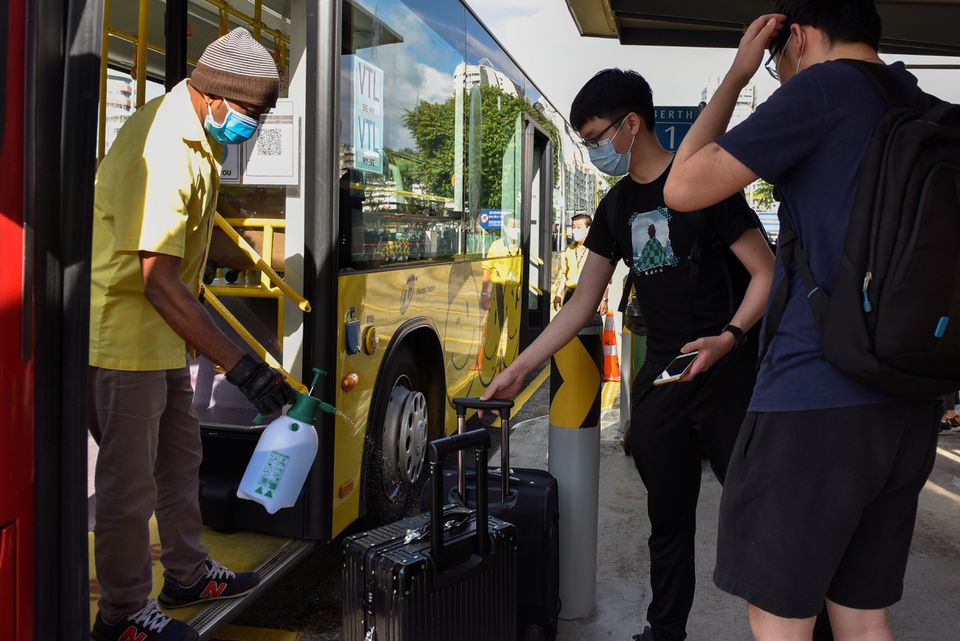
(809, 139)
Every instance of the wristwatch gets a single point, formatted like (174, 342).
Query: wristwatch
(739, 337)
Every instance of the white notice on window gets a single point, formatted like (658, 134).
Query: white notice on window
(273, 154)
(230, 170)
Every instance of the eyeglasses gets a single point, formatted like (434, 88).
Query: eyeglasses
(594, 143)
(774, 60)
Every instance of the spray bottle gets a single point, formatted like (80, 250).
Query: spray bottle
(284, 454)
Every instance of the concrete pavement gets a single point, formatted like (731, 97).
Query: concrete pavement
(929, 611)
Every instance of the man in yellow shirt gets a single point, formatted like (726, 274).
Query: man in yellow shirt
(155, 198)
(501, 296)
(571, 264)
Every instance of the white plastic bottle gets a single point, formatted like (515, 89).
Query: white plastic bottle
(283, 457)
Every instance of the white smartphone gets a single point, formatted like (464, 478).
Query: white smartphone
(677, 368)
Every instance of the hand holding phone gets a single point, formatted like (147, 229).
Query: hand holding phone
(676, 369)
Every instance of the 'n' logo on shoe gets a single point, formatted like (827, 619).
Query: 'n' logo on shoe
(213, 590)
(133, 634)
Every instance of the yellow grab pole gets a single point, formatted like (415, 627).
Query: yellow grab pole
(142, 37)
(261, 264)
(102, 132)
(257, 19)
(249, 339)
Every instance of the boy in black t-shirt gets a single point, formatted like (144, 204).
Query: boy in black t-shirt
(821, 495)
(702, 281)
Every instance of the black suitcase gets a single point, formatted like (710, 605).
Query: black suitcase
(528, 501)
(414, 581)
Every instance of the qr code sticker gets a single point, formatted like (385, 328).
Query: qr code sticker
(269, 143)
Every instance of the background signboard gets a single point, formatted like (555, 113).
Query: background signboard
(367, 116)
(673, 123)
(491, 219)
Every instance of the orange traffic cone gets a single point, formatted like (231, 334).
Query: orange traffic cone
(611, 365)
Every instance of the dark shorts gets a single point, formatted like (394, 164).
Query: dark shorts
(822, 503)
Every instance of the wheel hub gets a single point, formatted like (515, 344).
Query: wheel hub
(405, 436)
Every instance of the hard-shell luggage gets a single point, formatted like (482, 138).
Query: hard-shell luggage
(413, 580)
(529, 501)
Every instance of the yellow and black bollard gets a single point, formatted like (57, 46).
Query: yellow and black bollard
(574, 460)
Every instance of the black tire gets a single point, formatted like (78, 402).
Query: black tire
(396, 451)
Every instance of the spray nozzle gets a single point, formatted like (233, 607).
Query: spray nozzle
(317, 373)
(306, 405)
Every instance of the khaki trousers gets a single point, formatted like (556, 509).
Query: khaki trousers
(149, 462)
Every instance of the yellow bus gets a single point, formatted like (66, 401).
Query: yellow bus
(394, 223)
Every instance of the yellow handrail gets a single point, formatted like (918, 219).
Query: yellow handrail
(249, 339)
(142, 30)
(261, 264)
(225, 6)
(132, 39)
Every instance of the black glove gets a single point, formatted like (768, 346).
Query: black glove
(264, 386)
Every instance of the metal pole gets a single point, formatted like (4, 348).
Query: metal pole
(574, 460)
(102, 119)
(142, 36)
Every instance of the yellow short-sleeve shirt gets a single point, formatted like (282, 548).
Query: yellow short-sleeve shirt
(503, 262)
(156, 191)
(571, 264)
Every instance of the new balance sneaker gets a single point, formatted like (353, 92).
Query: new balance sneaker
(216, 583)
(149, 624)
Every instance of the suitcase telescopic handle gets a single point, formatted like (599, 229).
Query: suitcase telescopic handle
(503, 406)
(439, 449)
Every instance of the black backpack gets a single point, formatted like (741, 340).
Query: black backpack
(892, 320)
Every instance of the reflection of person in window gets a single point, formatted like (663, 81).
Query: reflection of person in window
(571, 263)
(500, 291)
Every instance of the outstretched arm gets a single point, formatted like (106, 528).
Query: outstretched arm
(569, 320)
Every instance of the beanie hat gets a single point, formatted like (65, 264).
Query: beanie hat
(237, 67)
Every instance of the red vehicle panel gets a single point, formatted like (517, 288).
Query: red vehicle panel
(16, 373)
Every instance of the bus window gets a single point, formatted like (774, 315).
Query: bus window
(401, 171)
(495, 87)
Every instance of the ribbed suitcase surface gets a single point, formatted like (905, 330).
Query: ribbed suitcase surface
(530, 502)
(533, 507)
(395, 588)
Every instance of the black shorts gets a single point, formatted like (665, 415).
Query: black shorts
(822, 503)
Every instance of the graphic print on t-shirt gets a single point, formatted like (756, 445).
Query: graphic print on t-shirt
(652, 249)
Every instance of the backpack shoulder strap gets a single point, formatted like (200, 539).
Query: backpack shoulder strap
(790, 251)
(891, 91)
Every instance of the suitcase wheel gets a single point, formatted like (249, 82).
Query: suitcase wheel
(534, 633)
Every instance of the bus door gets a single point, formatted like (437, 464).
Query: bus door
(537, 183)
(258, 265)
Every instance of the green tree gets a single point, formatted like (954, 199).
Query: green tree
(763, 198)
(432, 126)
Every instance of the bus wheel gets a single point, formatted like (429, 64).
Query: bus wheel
(402, 420)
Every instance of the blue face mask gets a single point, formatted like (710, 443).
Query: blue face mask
(235, 128)
(607, 159)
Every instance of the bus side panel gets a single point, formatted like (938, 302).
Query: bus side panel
(476, 343)
(16, 368)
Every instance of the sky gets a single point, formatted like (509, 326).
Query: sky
(541, 36)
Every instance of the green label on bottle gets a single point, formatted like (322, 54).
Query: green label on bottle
(271, 473)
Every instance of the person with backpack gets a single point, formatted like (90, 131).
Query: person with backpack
(702, 280)
(821, 495)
